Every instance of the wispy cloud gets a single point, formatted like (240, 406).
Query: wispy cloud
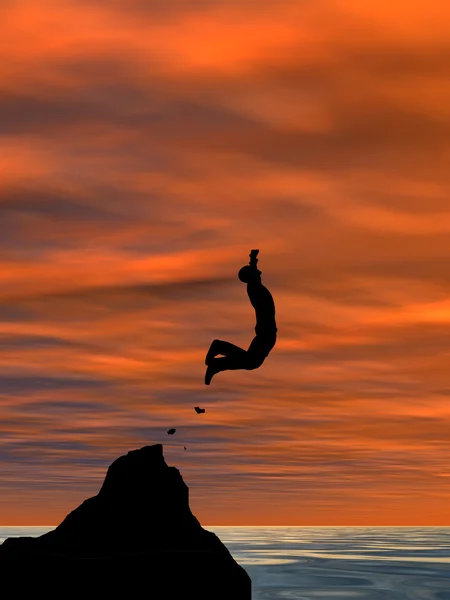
(146, 147)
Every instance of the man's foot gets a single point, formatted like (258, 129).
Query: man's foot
(212, 353)
(210, 372)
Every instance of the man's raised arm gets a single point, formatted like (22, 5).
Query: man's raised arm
(253, 260)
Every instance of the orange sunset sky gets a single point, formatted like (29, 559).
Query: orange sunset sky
(146, 147)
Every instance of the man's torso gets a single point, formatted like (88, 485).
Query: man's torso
(262, 301)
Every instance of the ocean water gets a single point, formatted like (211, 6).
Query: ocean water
(333, 563)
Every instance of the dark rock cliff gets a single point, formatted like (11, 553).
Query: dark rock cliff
(136, 538)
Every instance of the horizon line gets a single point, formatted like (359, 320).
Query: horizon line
(274, 526)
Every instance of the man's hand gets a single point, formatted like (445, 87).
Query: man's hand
(253, 260)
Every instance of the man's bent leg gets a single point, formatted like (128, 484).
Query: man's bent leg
(237, 358)
(225, 348)
(227, 363)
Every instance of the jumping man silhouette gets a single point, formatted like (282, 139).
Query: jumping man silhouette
(266, 329)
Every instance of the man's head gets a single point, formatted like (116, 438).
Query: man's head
(248, 274)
